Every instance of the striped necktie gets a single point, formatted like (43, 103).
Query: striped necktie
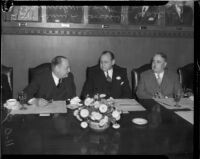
(159, 80)
(108, 78)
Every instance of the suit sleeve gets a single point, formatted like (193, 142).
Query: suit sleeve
(32, 88)
(126, 91)
(88, 85)
(177, 85)
(141, 90)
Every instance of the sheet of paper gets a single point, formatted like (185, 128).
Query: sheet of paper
(187, 115)
(169, 103)
(127, 105)
(54, 107)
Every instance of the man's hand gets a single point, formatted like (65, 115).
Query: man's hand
(42, 102)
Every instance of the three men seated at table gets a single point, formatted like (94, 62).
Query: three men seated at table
(107, 78)
(158, 82)
(55, 84)
(103, 78)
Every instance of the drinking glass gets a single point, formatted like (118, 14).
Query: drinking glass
(177, 98)
(22, 99)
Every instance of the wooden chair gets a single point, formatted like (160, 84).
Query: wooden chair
(33, 72)
(135, 77)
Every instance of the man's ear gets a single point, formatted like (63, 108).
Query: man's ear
(165, 64)
(113, 62)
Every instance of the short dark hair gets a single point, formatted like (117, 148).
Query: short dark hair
(163, 55)
(57, 60)
(108, 52)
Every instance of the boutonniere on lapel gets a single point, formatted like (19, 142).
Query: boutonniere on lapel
(118, 78)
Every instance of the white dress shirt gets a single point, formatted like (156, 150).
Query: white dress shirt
(55, 78)
(160, 74)
(110, 73)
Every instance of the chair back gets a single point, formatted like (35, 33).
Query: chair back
(6, 83)
(186, 76)
(135, 77)
(33, 72)
(8, 71)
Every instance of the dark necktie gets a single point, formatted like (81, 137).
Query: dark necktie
(59, 83)
(108, 78)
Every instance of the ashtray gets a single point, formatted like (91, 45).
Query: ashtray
(139, 121)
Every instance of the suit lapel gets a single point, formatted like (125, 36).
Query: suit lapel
(154, 80)
(114, 81)
(164, 80)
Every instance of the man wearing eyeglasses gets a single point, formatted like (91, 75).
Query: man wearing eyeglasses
(158, 82)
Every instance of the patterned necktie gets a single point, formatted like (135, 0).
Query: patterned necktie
(59, 83)
(159, 80)
(108, 78)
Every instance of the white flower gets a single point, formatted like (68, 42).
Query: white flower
(118, 118)
(92, 117)
(118, 77)
(115, 114)
(102, 122)
(106, 118)
(116, 126)
(102, 95)
(84, 113)
(88, 101)
(75, 113)
(78, 117)
(96, 104)
(84, 124)
(75, 101)
(103, 108)
(97, 116)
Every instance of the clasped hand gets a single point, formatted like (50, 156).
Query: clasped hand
(41, 102)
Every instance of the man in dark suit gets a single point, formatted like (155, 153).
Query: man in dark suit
(158, 82)
(107, 78)
(54, 84)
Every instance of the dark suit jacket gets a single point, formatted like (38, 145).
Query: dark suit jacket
(96, 83)
(43, 86)
(148, 85)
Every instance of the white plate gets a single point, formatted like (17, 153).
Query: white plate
(139, 121)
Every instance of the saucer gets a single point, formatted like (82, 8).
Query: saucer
(139, 121)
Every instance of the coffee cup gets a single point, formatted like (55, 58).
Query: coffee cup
(11, 102)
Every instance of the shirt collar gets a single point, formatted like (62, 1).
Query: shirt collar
(161, 74)
(55, 78)
(110, 72)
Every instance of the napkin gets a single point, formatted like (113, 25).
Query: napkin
(127, 105)
(169, 103)
(54, 107)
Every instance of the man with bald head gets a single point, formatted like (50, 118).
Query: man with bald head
(158, 82)
(107, 78)
(54, 84)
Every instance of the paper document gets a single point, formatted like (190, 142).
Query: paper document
(187, 115)
(127, 105)
(54, 107)
(169, 103)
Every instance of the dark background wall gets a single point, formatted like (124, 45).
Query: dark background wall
(24, 51)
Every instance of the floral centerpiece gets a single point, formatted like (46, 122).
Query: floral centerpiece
(98, 113)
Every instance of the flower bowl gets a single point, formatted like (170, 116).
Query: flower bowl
(96, 127)
(98, 113)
